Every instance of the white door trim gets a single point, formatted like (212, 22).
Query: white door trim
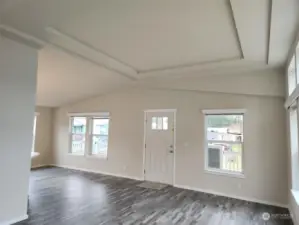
(174, 140)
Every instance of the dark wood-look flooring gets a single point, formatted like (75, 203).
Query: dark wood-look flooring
(67, 197)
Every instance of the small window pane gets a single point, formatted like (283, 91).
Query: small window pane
(34, 134)
(165, 123)
(225, 156)
(78, 144)
(34, 126)
(100, 126)
(292, 75)
(99, 145)
(297, 64)
(154, 123)
(79, 125)
(225, 128)
(160, 123)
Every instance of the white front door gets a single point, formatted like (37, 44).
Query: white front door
(159, 146)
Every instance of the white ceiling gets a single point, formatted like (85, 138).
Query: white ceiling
(93, 46)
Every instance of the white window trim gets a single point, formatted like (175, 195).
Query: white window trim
(292, 98)
(90, 114)
(292, 53)
(88, 134)
(223, 111)
(294, 165)
(224, 173)
(219, 171)
(36, 114)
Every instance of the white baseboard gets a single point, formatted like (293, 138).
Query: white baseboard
(16, 220)
(38, 166)
(99, 172)
(231, 196)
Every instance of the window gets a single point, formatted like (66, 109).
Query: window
(291, 104)
(99, 136)
(224, 141)
(294, 146)
(89, 135)
(160, 123)
(297, 64)
(34, 134)
(292, 75)
(78, 133)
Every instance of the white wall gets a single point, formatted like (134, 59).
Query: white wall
(262, 83)
(18, 66)
(264, 130)
(43, 138)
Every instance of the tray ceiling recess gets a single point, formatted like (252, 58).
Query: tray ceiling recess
(132, 40)
(144, 39)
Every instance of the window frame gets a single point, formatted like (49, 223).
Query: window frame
(91, 135)
(291, 103)
(294, 145)
(215, 171)
(292, 97)
(71, 134)
(34, 132)
(87, 152)
(294, 81)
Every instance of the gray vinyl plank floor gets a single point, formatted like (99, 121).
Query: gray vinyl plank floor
(67, 197)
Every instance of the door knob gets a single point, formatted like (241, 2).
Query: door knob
(171, 151)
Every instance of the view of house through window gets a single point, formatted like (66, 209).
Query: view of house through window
(78, 131)
(224, 142)
(100, 128)
(89, 135)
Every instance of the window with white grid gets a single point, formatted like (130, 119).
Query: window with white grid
(78, 135)
(99, 136)
(89, 134)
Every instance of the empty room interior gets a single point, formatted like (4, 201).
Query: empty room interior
(154, 112)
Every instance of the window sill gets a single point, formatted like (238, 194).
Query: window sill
(73, 154)
(223, 173)
(34, 154)
(96, 157)
(295, 194)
